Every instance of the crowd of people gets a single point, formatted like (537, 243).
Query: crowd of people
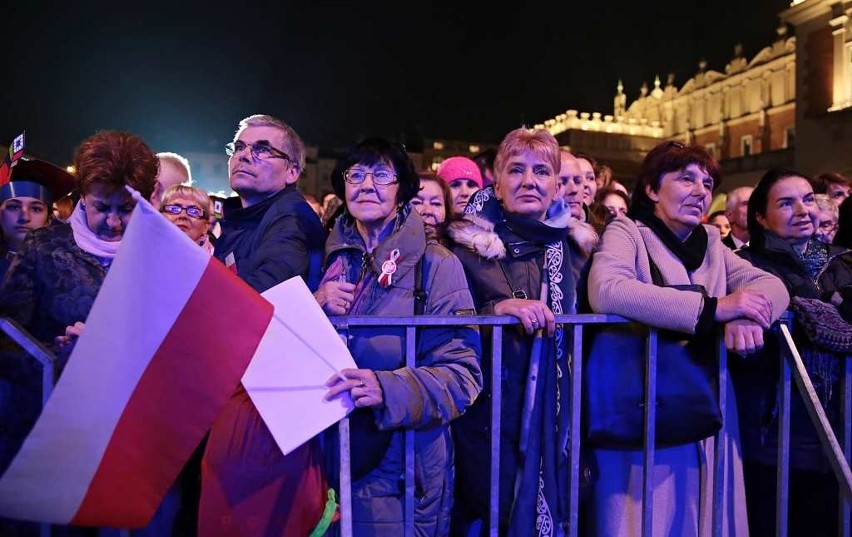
(530, 231)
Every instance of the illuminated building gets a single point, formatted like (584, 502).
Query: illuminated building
(790, 105)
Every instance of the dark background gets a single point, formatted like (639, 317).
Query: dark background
(182, 76)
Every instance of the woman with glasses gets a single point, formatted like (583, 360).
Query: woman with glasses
(522, 263)
(378, 262)
(188, 208)
(827, 215)
(782, 223)
(665, 269)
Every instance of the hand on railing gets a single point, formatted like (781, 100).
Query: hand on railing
(743, 336)
(745, 303)
(533, 314)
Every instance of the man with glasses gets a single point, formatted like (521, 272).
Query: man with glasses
(269, 234)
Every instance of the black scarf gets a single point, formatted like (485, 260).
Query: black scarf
(691, 252)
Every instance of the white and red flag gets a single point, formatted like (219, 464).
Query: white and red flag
(166, 343)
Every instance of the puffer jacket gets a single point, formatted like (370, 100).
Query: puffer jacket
(444, 383)
(756, 379)
(501, 265)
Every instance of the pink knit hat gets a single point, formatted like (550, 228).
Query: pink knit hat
(460, 168)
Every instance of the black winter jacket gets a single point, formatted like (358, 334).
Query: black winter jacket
(272, 241)
(756, 378)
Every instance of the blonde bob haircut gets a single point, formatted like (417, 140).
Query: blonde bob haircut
(193, 193)
(539, 142)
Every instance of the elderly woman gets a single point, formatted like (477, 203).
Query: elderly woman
(826, 218)
(52, 283)
(379, 263)
(673, 191)
(434, 202)
(188, 207)
(782, 216)
(521, 263)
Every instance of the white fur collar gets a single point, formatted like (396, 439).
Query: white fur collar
(478, 234)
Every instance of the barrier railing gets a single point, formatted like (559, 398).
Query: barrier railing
(577, 322)
(792, 368)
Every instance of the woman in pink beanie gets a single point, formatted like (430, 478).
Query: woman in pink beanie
(463, 177)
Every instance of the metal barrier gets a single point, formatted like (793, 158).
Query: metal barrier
(838, 456)
(791, 368)
(577, 322)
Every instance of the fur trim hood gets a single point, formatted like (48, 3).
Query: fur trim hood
(476, 230)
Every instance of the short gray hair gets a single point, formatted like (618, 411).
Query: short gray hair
(293, 144)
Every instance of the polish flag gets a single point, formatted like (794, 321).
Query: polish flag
(168, 338)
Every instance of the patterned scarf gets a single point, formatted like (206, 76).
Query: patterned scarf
(540, 505)
(823, 366)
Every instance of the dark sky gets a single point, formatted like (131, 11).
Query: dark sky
(183, 76)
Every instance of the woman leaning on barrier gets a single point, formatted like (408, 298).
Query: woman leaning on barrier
(782, 225)
(672, 193)
(521, 263)
(379, 263)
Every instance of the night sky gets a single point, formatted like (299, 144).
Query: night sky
(183, 76)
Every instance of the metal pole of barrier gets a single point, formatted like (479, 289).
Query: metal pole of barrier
(650, 432)
(410, 362)
(46, 358)
(782, 492)
(496, 406)
(846, 416)
(720, 442)
(345, 479)
(345, 459)
(574, 449)
(35, 349)
(818, 417)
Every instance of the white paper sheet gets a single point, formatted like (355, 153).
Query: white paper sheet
(299, 353)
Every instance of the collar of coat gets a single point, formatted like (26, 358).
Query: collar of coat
(477, 230)
(406, 234)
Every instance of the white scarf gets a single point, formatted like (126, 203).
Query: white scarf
(86, 238)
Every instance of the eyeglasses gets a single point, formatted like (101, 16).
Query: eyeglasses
(356, 176)
(259, 150)
(191, 211)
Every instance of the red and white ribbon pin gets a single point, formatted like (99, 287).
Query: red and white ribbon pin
(388, 268)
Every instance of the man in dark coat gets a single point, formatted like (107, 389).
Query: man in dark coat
(269, 234)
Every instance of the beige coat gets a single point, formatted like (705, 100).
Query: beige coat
(620, 284)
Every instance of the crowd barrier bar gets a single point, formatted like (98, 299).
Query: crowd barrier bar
(792, 370)
(838, 457)
(344, 324)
